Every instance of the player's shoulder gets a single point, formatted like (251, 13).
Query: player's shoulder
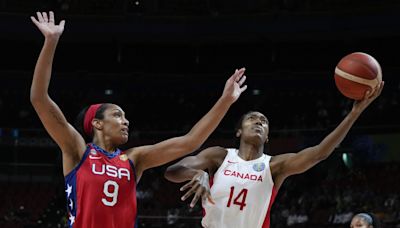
(216, 154)
(215, 151)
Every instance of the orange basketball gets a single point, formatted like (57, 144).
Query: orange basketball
(356, 73)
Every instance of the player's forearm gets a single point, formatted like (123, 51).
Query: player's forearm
(43, 68)
(330, 142)
(179, 173)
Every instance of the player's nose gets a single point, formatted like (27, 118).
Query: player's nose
(125, 122)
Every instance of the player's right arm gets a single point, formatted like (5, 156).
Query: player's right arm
(68, 139)
(286, 165)
(193, 168)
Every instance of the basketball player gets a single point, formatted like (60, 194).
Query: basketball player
(245, 181)
(364, 220)
(100, 179)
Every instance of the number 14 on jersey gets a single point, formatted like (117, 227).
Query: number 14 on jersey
(239, 199)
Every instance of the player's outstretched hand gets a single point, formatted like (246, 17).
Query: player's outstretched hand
(361, 105)
(234, 85)
(46, 24)
(200, 187)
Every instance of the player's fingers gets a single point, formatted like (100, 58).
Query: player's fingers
(203, 200)
(51, 17)
(194, 201)
(207, 196)
(242, 80)
(190, 192)
(367, 94)
(45, 18)
(187, 194)
(233, 77)
(197, 196)
(62, 23)
(36, 22)
(239, 74)
(243, 88)
(187, 185)
(39, 16)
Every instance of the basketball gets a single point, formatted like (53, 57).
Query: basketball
(356, 73)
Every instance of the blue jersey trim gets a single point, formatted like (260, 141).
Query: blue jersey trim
(106, 153)
(70, 190)
(73, 172)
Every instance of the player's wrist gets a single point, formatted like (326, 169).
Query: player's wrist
(226, 100)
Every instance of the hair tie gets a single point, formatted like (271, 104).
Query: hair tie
(366, 217)
(89, 116)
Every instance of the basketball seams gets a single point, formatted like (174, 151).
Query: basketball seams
(365, 65)
(369, 82)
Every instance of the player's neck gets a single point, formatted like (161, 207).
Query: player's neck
(108, 147)
(250, 152)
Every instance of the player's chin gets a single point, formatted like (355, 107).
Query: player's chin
(123, 139)
(258, 138)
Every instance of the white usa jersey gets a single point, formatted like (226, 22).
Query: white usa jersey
(243, 192)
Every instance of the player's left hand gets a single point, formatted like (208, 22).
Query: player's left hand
(46, 24)
(369, 96)
(200, 187)
(234, 85)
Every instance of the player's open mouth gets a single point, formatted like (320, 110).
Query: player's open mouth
(258, 129)
(125, 131)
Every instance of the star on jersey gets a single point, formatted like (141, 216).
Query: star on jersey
(71, 219)
(71, 204)
(69, 190)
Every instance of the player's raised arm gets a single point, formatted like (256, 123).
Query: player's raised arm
(295, 163)
(69, 140)
(161, 153)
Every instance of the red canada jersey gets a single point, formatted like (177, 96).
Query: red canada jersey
(101, 190)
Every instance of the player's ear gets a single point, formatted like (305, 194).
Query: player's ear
(238, 133)
(98, 124)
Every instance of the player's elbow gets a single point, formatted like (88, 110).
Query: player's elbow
(168, 175)
(171, 174)
(321, 153)
(37, 98)
(34, 98)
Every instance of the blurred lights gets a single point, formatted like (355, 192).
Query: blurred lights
(108, 92)
(256, 92)
(347, 160)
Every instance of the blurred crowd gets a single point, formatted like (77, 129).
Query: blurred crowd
(312, 103)
(326, 196)
(192, 7)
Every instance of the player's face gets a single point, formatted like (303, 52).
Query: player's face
(358, 222)
(115, 125)
(255, 124)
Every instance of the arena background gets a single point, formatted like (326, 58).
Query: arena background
(165, 62)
